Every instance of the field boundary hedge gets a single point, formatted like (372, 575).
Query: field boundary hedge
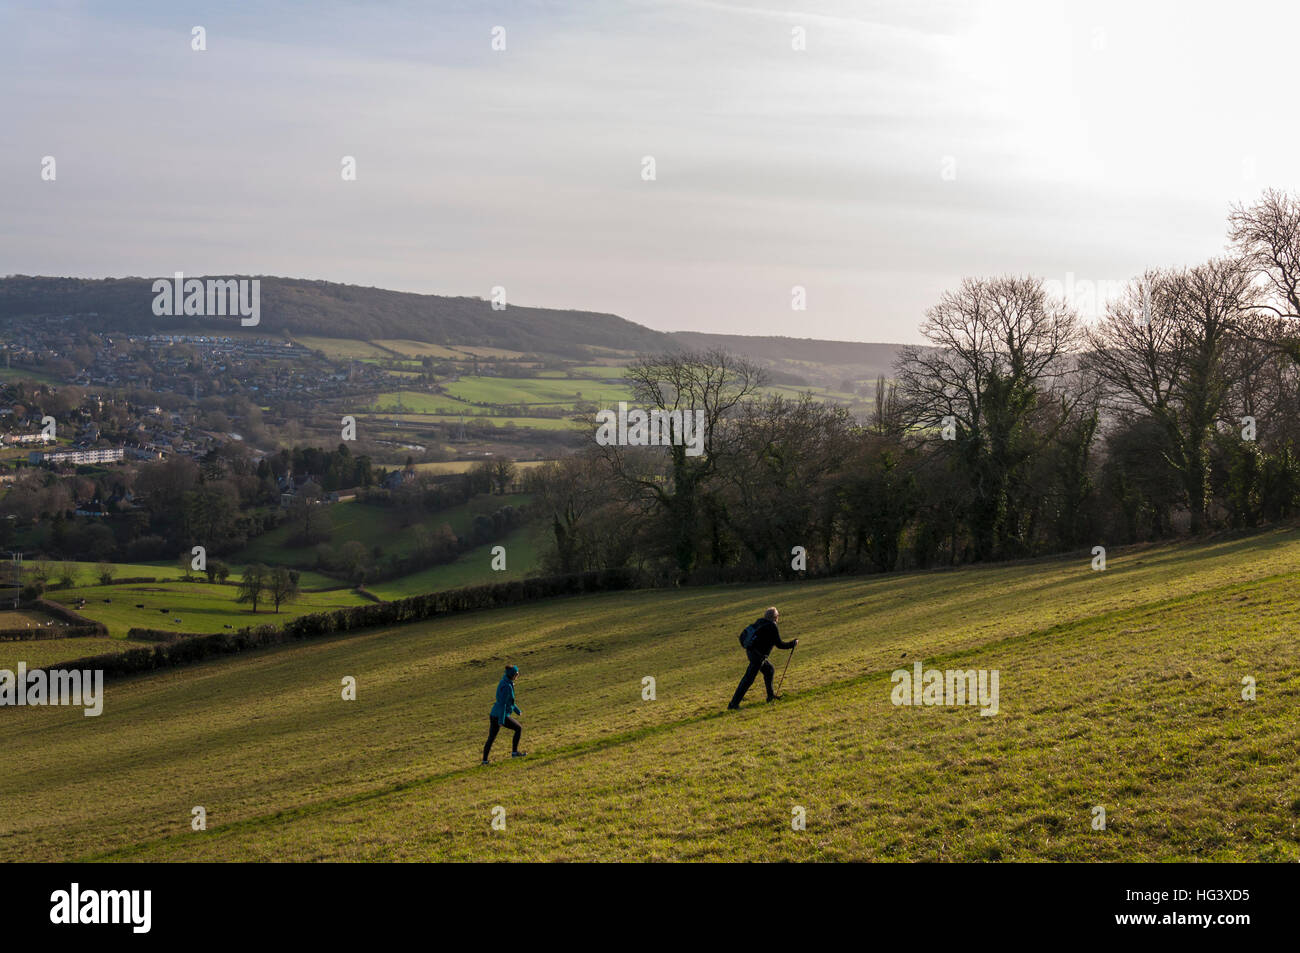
(175, 649)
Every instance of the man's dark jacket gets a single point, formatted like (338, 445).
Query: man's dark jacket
(767, 637)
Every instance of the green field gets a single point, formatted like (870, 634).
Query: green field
(22, 374)
(87, 574)
(511, 390)
(201, 607)
(1119, 688)
(416, 402)
(471, 569)
(343, 348)
(536, 423)
(476, 418)
(598, 371)
(419, 349)
(501, 353)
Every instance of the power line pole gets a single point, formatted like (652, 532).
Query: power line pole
(16, 569)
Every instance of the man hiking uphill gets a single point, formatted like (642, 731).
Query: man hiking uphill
(759, 639)
(501, 711)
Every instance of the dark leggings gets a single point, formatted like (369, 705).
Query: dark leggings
(497, 726)
(757, 663)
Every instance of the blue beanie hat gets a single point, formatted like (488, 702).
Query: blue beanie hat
(512, 670)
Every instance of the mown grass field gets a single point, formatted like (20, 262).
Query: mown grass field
(1119, 688)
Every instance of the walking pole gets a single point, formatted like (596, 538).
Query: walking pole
(784, 670)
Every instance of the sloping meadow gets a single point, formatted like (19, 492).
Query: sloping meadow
(1119, 689)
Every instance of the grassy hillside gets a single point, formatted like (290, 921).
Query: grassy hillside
(1119, 688)
(58, 651)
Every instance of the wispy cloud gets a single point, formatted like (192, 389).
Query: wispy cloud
(1091, 138)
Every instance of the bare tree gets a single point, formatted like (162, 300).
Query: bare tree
(281, 586)
(997, 345)
(591, 525)
(253, 584)
(779, 471)
(712, 382)
(1165, 348)
(1267, 235)
(504, 472)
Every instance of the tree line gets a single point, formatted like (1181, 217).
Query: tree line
(1018, 429)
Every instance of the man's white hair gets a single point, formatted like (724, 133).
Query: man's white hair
(771, 613)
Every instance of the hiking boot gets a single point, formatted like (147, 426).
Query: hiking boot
(484, 761)
(774, 698)
(519, 754)
(733, 708)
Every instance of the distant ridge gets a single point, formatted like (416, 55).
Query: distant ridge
(299, 306)
(328, 309)
(788, 355)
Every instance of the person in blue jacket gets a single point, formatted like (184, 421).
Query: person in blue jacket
(501, 714)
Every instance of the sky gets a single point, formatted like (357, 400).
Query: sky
(871, 153)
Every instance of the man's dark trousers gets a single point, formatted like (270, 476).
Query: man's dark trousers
(757, 663)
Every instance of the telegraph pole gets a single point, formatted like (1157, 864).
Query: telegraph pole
(16, 570)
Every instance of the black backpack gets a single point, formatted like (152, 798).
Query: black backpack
(748, 637)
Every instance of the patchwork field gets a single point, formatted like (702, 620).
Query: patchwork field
(1120, 688)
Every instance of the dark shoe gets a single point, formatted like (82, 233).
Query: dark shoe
(484, 761)
(519, 754)
(733, 708)
(774, 698)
